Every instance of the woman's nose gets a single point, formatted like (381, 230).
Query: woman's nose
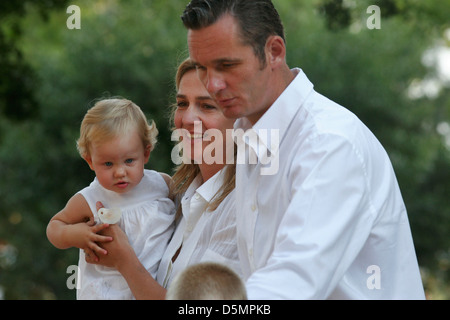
(190, 116)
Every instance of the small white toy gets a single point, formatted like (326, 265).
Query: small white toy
(109, 216)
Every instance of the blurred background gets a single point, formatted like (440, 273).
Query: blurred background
(395, 77)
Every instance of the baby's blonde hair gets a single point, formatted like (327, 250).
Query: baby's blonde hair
(207, 281)
(110, 118)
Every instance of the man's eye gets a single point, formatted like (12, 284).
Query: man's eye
(227, 65)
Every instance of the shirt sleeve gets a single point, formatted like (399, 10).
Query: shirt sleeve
(324, 227)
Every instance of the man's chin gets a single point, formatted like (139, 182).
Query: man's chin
(232, 113)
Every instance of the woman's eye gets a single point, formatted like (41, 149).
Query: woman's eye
(208, 106)
(182, 104)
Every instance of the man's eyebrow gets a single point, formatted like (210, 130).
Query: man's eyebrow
(219, 61)
(225, 60)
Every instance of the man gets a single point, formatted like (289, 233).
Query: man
(330, 223)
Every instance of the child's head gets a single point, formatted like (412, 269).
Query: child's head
(207, 281)
(116, 140)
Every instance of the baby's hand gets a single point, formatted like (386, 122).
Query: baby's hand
(93, 249)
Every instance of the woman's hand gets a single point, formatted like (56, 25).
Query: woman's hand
(115, 252)
(121, 256)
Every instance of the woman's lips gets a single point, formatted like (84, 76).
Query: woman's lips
(195, 136)
(190, 136)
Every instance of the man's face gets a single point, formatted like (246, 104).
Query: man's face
(230, 70)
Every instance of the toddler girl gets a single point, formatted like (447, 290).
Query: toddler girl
(116, 141)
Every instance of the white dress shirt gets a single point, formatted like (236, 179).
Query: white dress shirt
(202, 235)
(330, 223)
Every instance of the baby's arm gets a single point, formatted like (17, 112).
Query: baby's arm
(74, 227)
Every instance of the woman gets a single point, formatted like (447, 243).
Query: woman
(206, 229)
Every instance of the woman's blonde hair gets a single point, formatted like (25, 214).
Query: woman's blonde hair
(110, 118)
(186, 173)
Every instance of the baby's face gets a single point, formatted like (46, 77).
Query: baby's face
(119, 162)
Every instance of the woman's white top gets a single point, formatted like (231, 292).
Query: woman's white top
(202, 235)
(148, 221)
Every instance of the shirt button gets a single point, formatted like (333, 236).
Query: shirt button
(197, 196)
(253, 207)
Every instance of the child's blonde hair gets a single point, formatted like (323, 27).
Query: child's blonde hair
(110, 118)
(207, 281)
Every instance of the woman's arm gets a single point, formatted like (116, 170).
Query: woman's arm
(168, 180)
(122, 257)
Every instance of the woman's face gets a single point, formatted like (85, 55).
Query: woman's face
(204, 133)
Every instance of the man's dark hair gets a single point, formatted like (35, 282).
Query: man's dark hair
(258, 19)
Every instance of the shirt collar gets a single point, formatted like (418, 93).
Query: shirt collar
(278, 116)
(208, 189)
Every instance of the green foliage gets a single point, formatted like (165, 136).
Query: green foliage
(112, 55)
(52, 75)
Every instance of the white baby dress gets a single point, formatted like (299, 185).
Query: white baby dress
(148, 221)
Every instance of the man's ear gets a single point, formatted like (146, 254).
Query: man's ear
(88, 159)
(275, 51)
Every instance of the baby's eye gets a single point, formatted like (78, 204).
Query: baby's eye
(128, 161)
(108, 164)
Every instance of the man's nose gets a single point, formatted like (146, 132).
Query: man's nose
(214, 82)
